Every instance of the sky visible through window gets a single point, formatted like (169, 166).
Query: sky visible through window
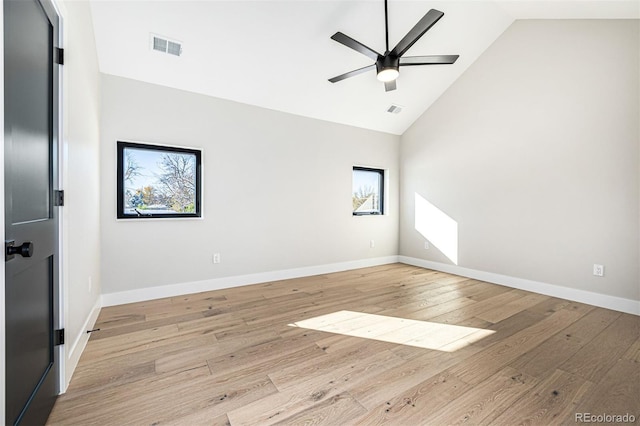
(364, 179)
(148, 161)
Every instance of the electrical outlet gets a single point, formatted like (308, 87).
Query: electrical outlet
(216, 258)
(598, 270)
(372, 244)
(426, 245)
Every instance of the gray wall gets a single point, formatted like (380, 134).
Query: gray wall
(277, 190)
(534, 153)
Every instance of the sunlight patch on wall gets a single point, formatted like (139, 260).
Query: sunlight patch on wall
(437, 227)
(421, 334)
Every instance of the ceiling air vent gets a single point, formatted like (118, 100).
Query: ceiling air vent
(165, 45)
(394, 109)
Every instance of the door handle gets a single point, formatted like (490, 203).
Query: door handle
(24, 250)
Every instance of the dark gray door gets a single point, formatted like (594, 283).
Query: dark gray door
(31, 231)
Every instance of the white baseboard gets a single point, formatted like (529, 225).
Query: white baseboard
(159, 292)
(150, 293)
(79, 343)
(620, 304)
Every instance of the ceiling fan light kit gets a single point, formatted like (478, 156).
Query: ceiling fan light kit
(387, 68)
(388, 65)
(388, 74)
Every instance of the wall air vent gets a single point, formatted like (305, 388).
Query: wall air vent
(394, 109)
(165, 45)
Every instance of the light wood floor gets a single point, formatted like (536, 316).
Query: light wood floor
(232, 357)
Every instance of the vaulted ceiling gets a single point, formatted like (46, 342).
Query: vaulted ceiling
(279, 55)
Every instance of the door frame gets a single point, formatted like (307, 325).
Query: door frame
(2, 269)
(59, 320)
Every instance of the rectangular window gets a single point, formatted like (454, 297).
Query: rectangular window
(156, 181)
(368, 191)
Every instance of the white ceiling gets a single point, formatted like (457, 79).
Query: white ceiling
(279, 55)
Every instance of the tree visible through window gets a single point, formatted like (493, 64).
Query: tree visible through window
(158, 181)
(368, 191)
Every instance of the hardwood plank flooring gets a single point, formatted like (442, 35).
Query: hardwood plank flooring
(235, 356)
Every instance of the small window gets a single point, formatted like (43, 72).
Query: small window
(157, 181)
(368, 191)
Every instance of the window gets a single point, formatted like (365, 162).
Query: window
(157, 181)
(368, 191)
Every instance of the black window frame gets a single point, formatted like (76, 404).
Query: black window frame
(381, 203)
(122, 145)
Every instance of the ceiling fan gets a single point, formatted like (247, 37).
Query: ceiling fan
(388, 65)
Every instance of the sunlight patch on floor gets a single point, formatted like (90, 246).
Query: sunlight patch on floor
(421, 334)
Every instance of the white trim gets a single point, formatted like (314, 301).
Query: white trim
(150, 293)
(2, 273)
(61, 321)
(79, 343)
(154, 144)
(629, 306)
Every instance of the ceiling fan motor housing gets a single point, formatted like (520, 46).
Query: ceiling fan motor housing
(387, 62)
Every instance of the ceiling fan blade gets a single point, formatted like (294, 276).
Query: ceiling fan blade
(417, 31)
(352, 73)
(355, 45)
(389, 85)
(429, 60)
